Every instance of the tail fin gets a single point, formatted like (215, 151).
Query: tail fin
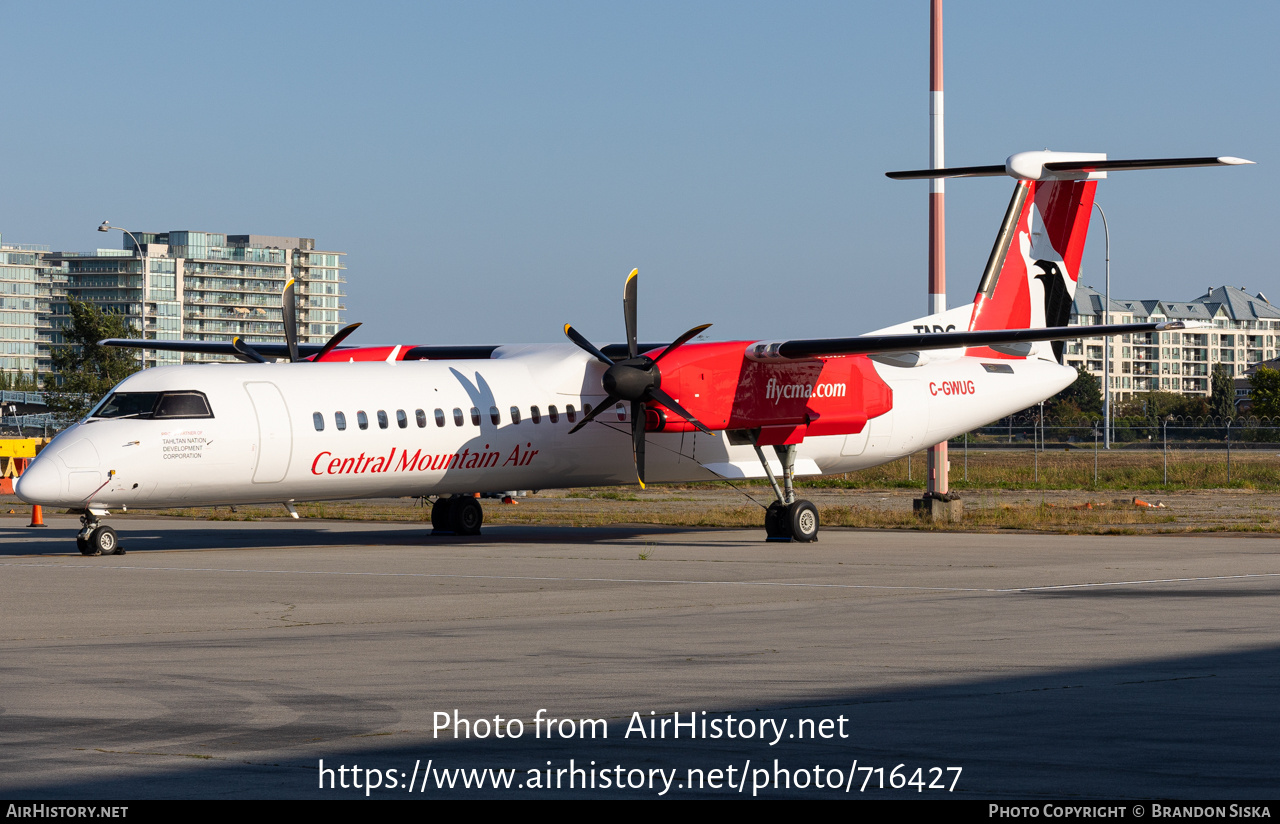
(1030, 278)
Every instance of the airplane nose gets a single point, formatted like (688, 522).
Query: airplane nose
(40, 483)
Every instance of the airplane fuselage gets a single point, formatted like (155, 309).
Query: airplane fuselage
(325, 431)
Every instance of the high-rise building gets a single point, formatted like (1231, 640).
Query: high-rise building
(1243, 330)
(206, 286)
(26, 285)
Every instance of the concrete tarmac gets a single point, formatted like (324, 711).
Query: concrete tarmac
(227, 659)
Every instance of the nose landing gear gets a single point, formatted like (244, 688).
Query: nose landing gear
(96, 539)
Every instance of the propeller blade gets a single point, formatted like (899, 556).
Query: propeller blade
(290, 321)
(586, 345)
(682, 340)
(246, 352)
(335, 340)
(608, 402)
(637, 438)
(629, 312)
(670, 402)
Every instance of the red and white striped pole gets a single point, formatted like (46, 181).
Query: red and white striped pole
(937, 463)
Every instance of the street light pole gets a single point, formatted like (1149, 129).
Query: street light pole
(1106, 342)
(106, 226)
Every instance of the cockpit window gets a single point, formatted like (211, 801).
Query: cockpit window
(183, 405)
(128, 405)
(155, 405)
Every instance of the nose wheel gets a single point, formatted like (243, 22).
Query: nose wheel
(788, 519)
(96, 539)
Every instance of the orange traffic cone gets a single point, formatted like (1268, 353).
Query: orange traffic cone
(37, 516)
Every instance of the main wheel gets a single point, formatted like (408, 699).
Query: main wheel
(777, 526)
(465, 515)
(103, 541)
(802, 516)
(440, 515)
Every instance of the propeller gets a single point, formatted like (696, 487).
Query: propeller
(636, 379)
(333, 342)
(290, 311)
(245, 352)
(290, 321)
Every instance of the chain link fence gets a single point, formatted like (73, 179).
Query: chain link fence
(1172, 451)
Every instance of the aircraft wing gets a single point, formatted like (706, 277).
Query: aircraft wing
(894, 344)
(281, 350)
(210, 347)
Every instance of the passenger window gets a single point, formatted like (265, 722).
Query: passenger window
(439, 417)
(421, 417)
(568, 411)
(318, 420)
(622, 412)
(553, 414)
(362, 420)
(494, 416)
(586, 409)
(475, 416)
(535, 415)
(382, 418)
(515, 414)
(457, 416)
(402, 419)
(340, 420)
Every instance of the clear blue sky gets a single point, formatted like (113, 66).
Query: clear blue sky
(494, 169)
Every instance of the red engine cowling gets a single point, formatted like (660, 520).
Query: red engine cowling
(787, 400)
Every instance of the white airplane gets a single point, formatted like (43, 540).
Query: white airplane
(444, 421)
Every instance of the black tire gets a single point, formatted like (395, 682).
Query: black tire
(465, 515)
(440, 515)
(777, 525)
(802, 517)
(103, 541)
(82, 544)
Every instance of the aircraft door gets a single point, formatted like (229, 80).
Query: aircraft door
(275, 433)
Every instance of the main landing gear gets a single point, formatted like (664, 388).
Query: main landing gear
(788, 519)
(456, 515)
(96, 539)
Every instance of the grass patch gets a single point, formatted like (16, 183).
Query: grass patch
(603, 495)
(585, 510)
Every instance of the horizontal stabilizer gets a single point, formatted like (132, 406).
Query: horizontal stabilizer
(1048, 165)
(955, 171)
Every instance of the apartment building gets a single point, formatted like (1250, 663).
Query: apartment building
(28, 283)
(195, 285)
(1243, 330)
